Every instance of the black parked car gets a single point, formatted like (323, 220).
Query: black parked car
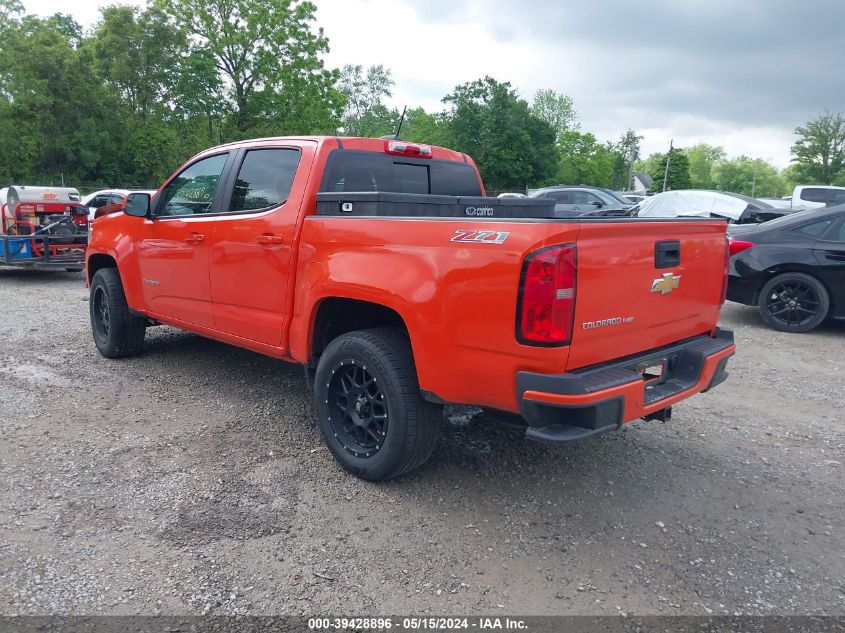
(792, 267)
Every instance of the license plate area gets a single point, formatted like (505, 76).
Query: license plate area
(653, 373)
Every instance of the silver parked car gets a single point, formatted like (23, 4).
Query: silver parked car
(582, 200)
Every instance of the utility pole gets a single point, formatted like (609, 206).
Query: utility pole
(666, 171)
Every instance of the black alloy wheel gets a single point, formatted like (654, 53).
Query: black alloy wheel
(100, 312)
(794, 302)
(357, 409)
(116, 330)
(369, 406)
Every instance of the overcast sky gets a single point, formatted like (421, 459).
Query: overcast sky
(737, 73)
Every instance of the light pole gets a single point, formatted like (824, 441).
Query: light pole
(666, 171)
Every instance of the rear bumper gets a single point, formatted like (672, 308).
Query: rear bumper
(574, 405)
(741, 290)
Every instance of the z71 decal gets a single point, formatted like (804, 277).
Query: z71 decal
(480, 237)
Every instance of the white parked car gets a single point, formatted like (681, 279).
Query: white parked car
(735, 207)
(816, 196)
(114, 199)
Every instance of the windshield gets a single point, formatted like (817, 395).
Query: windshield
(609, 198)
(615, 197)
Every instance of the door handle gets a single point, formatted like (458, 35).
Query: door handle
(195, 238)
(835, 256)
(667, 254)
(269, 239)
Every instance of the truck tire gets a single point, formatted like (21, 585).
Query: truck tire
(794, 302)
(370, 410)
(117, 332)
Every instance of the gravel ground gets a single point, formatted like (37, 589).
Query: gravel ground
(192, 480)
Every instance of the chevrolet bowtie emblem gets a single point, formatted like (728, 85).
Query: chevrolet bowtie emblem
(666, 284)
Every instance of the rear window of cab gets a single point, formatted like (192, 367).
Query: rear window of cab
(349, 170)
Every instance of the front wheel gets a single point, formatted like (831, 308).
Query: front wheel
(371, 413)
(794, 302)
(117, 332)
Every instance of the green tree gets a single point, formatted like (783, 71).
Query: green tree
(423, 127)
(556, 109)
(678, 175)
(791, 177)
(136, 51)
(703, 158)
(650, 164)
(197, 102)
(58, 118)
(626, 152)
(269, 60)
(512, 147)
(584, 161)
(140, 56)
(10, 11)
(748, 176)
(365, 113)
(819, 151)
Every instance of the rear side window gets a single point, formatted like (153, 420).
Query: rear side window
(349, 171)
(265, 179)
(815, 229)
(560, 197)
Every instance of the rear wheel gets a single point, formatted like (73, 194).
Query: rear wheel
(371, 414)
(117, 332)
(794, 302)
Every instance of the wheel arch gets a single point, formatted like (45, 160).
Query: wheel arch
(98, 261)
(334, 316)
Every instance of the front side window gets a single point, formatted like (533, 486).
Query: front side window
(265, 179)
(99, 201)
(192, 191)
(585, 197)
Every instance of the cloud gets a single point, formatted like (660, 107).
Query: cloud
(670, 68)
(741, 74)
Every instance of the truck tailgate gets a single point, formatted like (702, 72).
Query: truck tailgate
(644, 284)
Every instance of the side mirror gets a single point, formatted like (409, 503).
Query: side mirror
(137, 205)
(597, 204)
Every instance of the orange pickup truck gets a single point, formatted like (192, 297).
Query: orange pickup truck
(380, 266)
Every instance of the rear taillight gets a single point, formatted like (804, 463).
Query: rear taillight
(401, 148)
(737, 246)
(547, 296)
(725, 272)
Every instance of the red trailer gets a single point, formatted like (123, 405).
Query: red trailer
(43, 227)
